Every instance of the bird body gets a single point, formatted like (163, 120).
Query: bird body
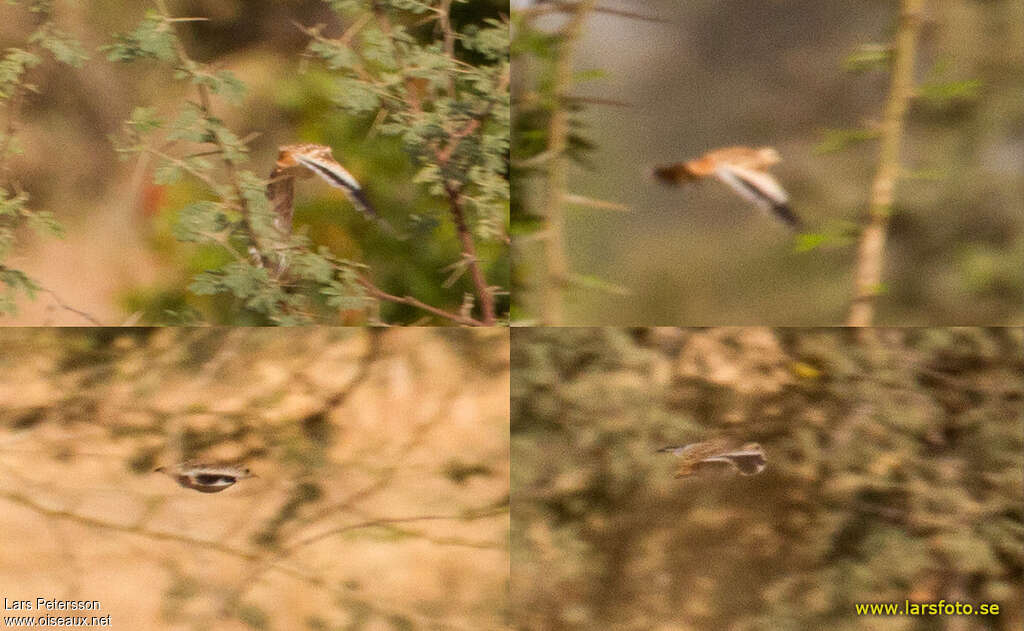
(206, 478)
(748, 459)
(304, 161)
(744, 170)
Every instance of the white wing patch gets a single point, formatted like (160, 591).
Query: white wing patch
(759, 188)
(754, 186)
(335, 174)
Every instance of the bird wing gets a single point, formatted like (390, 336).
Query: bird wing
(339, 177)
(748, 460)
(760, 188)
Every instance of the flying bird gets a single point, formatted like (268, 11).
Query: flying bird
(206, 478)
(305, 161)
(744, 170)
(747, 460)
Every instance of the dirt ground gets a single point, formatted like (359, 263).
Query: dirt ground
(381, 501)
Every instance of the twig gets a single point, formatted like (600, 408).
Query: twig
(297, 574)
(445, 19)
(378, 293)
(389, 521)
(65, 306)
(206, 107)
(127, 529)
(483, 291)
(871, 252)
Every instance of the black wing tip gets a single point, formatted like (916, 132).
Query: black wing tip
(750, 464)
(785, 213)
(363, 205)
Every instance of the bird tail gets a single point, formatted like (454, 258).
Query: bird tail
(674, 174)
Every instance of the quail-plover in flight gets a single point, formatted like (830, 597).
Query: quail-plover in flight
(305, 161)
(748, 459)
(744, 170)
(206, 478)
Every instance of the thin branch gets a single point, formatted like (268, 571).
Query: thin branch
(445, 19)
(483, 290)
(205, 105)
(298, 574)
(390, 521)
(375, 292)
(66, 307)
(871, 252)
(57, 513)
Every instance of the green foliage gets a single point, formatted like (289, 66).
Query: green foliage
(548, 134)
(154, 38)
(12, 68)
(894, 472)
(942, 93)
(15, 212)
(938, 91)
(452, 116)
(449, 107)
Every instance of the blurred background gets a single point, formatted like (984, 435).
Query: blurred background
(894, 472)
(119, 261)
(715, 73)
(381, 501)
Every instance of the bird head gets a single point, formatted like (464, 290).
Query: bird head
(769, 155)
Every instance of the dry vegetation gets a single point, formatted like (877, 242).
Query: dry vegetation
(381, 501)
(894, 472)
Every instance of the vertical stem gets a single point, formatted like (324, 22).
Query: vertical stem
(483, 291)
(871, 252)
(449, 39)
(553, 290)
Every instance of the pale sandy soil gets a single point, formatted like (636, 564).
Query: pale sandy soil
(383, 474)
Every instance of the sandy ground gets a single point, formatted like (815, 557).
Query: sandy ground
(381, 500)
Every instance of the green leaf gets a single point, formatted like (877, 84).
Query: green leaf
(838, 139)
(224, 83)
(868, 57)
(189, 125)
(44, 223)
(167, 173)
(199, 220)
(942, 92)
(599, 284)
(808, 241)
(593, 74)
(152, 39)
(64, 49)
(144, 119)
